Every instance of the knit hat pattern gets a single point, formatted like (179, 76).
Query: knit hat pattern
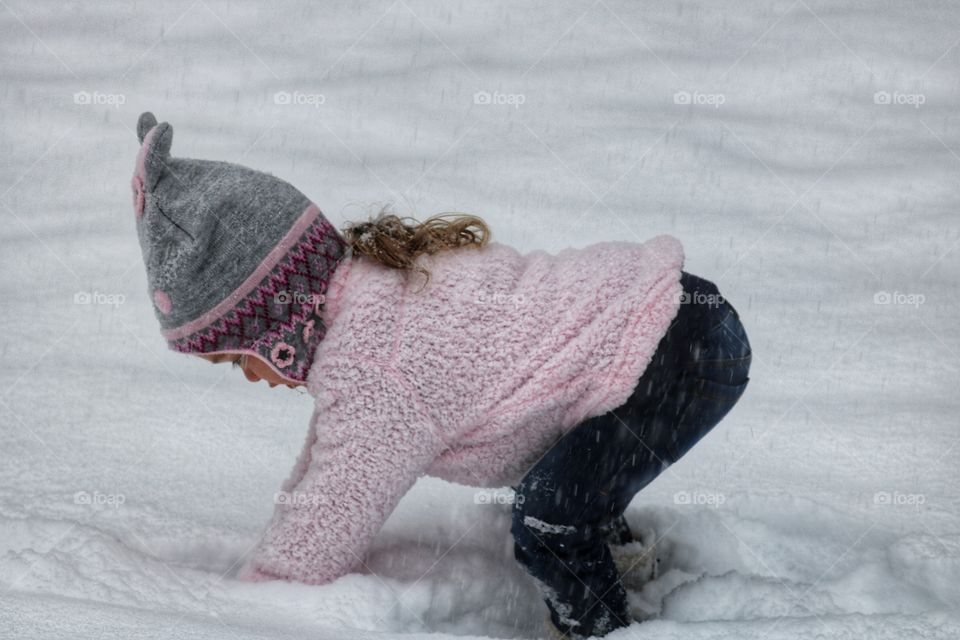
(237, 260)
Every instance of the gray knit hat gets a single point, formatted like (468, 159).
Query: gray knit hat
(237, 260)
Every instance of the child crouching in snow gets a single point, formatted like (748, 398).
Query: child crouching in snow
(576, 378)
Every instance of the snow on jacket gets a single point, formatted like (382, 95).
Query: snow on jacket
(470, 377)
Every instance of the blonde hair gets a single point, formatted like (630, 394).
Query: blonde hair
(397, 242)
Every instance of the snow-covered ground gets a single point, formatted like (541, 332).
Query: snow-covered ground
(806, 153)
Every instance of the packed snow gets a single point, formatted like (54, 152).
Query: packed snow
(805, 152)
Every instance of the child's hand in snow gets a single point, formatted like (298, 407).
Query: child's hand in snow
(248, 573)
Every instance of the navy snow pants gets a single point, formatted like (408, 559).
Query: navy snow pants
(570, 505)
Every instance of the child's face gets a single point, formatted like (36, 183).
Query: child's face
(253, 368)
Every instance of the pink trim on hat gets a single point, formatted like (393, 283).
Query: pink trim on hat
(138, 197)
(142, 154)
(276, 254)
(163, 302)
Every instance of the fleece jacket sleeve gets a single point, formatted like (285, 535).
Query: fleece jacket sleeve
(368, 443)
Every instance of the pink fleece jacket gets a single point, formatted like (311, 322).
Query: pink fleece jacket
(470, 377)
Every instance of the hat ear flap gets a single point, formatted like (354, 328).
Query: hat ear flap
(146, 122)
(156, 153)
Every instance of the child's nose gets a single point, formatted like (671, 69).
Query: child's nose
(251, 376)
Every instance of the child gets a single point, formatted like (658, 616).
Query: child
(576, 378)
